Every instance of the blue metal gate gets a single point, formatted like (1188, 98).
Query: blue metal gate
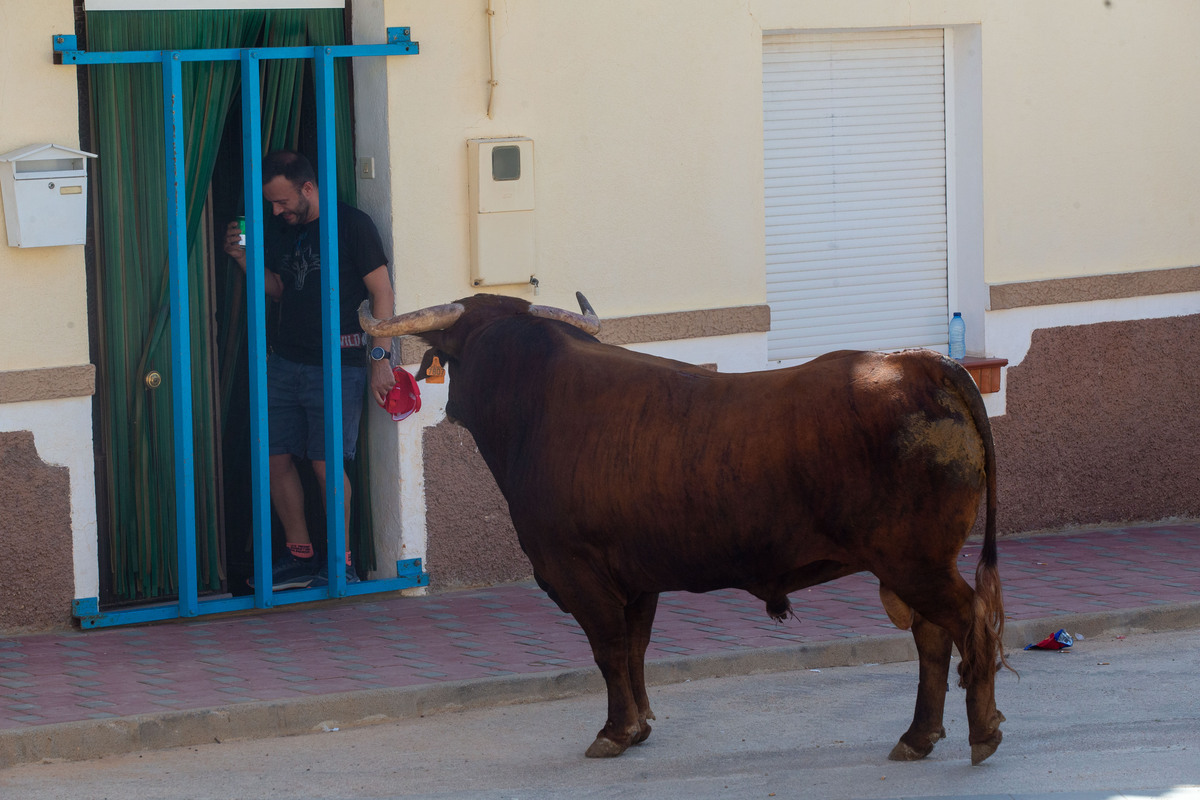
(409, 572)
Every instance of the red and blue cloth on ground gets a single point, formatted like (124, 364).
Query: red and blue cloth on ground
(1059, 641)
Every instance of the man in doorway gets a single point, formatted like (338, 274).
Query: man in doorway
(295, 376)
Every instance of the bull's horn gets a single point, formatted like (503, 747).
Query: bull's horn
(587, 322)
(434, 318)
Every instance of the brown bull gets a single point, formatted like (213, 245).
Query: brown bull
(628, 475)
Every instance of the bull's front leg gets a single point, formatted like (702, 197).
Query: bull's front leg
(607, 634)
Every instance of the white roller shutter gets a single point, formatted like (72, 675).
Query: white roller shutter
(855, 156)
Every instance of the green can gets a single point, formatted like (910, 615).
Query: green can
(242, 231)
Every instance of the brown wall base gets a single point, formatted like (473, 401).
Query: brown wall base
(472, 541)
(1101, 426)
(36, 573)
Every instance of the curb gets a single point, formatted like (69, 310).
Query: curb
(90, 739)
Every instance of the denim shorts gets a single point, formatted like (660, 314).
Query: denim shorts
(296, 408)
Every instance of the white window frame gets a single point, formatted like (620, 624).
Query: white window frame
(966, 290)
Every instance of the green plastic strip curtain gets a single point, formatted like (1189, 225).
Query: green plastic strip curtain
(134, 447)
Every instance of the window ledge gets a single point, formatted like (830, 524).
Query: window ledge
(985, 371)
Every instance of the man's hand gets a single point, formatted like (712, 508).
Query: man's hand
(382, 379)
(232, 249)
(383, 305)
(271, 281)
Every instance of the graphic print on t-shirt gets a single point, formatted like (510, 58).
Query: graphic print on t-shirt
(302, 262)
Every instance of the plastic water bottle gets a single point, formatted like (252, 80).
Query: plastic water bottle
(958, 337)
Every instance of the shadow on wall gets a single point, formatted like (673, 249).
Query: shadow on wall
(36, 552)
(1102, 426)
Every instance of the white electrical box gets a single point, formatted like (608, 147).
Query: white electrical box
(500, 189)
(44, 187)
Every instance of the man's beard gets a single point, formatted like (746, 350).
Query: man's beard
(300, 215)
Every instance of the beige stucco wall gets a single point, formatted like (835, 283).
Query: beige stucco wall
(647, 124)
(1091, 114)
(43, 292)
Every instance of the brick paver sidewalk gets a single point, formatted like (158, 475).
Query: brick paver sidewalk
(514, 629)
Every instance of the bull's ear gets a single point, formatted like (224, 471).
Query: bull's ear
(427, 362)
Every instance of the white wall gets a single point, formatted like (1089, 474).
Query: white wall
(62, 436)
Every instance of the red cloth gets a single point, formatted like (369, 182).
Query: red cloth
(403, 399)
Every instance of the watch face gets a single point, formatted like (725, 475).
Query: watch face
(378, 353)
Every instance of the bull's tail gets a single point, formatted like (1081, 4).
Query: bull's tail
(985, 637)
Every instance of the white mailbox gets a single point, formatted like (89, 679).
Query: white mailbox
(45, 195)
(500, 190)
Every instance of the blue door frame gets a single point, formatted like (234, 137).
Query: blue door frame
(409, 572)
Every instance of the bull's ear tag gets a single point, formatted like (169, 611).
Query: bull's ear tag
(436, 373)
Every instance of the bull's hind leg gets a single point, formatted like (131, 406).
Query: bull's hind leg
(977, 674)
(639, 621)
(948, 601)
(933, 649)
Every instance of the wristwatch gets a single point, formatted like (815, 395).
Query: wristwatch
(379, 354)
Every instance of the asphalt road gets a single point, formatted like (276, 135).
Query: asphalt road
(1111, 717)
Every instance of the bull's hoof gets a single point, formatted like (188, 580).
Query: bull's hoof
(605, 748)
(903, 751)
(981, 751)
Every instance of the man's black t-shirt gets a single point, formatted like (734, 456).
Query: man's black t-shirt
(294, 253)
